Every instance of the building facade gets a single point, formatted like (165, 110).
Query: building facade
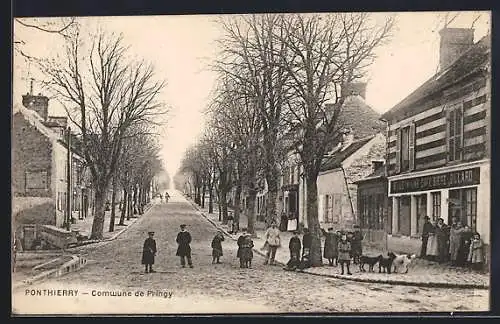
(438, 150)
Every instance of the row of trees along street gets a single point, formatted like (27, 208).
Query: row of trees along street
(279, 91)
(113, 102)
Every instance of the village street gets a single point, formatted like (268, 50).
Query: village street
(220, 288)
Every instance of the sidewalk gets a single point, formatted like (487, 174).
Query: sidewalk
(421, 273)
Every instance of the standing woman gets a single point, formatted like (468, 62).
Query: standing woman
(217, 247)
(442, 235)
(331, 251)
(432, 252)
(476, 252)
(463, 250)
(456, 231)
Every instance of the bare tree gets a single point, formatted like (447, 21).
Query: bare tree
(252, 51)
(328, 52)
(105, 94)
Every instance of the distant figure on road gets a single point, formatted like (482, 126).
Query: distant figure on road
(184, 250)
(161, 198)
(217, 247)
(167, 197)
(148, 253)
(230, 220)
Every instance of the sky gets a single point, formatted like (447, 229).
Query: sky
(182, 47)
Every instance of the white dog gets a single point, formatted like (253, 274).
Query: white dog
(402, 261)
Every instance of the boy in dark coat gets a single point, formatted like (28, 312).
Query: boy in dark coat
(184, 250)
(148, 253)
(241, 243)
(294, 246)
(217, 247)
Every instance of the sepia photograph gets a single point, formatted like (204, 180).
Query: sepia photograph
(274, 163)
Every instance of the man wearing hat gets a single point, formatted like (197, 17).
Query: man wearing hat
(148, 253)
(184, 250)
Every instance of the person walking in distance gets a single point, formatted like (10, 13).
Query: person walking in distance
(167, 196)
(148, 253)
(273, 240)
(184, 249)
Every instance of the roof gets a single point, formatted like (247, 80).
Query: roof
(360, 117)
(36, 121)
(335, 161)
(378, 174)
(470, 62)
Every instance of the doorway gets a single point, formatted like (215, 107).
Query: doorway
(404, 215)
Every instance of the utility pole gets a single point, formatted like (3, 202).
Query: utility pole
(68, 177)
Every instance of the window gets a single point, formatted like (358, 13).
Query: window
(405, 148)
(436, 205)
(36, 180)
(328, 211)
(455, 131)
(471, 207)
(372, 211)
(421, 211)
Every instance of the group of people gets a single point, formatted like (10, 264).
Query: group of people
(183, 249)
(340, 247)
(455, 243)
(167, 196)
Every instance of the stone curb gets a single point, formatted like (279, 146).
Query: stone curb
(73, 265)
(90, 243)
(337, 276)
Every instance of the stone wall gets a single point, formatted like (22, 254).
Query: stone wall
(31, 151)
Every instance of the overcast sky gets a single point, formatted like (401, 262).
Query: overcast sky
(181, 47)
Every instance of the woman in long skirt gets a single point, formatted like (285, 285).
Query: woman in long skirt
(432, 247)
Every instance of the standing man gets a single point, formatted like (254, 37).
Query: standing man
(272, 236)
(167, 196)
(425, 236)
(148, 253)
(184, 250)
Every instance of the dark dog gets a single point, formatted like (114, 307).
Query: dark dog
(386, 263)
(371, 261)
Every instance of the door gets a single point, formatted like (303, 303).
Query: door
(404, 215)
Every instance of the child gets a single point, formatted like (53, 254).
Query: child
(148, 253)
(476, 257)
(345, 253)
(294, 247)
(217, 247)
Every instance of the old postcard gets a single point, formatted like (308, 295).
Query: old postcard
(270, 163)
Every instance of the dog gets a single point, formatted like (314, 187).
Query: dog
(401, 262)
(371, 261)
(386, 263)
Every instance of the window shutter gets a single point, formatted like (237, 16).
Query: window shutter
(398, 150)
(411, 146)
(459, 132)
(448, 125)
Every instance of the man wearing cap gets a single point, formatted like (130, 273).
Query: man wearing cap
(148, 253)
(184, 250)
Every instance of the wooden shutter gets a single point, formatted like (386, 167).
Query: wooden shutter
(411, 146)
(398, 150)
(448, 125)
(459, 132)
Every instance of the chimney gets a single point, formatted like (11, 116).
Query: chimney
(454, 43)
(38, 103)
(377, 165)
(348, 138)
(355, 89)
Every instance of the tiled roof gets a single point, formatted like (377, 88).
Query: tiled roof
(471, 61)
(335, 161)
(380, 173)
(360, 117)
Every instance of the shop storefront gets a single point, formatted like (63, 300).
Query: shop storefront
(461, 191)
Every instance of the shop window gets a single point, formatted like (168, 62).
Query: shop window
(436, 206)
(421, 211)
(471, 207)
(454, 120)
(463, 205)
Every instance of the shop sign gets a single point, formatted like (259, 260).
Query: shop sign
(436, 181)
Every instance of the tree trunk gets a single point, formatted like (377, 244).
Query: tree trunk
(219, 207)
(129, 205)
(135, 200)
(203, 195)
(124, 207)
(210, 200)
(113, 211)
(100, 206)
(251, 217)
(223, 204)
(313, 222)
(272, 187)
(140, 199)
(237, 207)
